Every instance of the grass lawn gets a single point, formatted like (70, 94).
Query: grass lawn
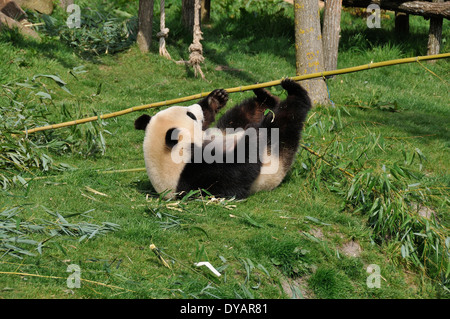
(312, 237)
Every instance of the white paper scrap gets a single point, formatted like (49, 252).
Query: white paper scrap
(208, 264)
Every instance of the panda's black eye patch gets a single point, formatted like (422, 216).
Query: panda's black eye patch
(191, 115)
(172, 137)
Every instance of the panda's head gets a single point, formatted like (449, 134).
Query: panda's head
(170, 125)
(169, 135)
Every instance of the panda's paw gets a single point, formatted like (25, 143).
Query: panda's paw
(266, 98)
(292, 87)
(218, 99)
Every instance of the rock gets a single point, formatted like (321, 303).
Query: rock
(42, 6)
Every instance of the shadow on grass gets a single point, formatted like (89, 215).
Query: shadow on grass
(415, 123)
(144, 187)
(48, 48)
(365, 39)
(272, 34)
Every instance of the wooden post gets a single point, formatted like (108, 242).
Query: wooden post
(144, 36)
(435, 34)
(330, 33)
(308, 48)
(401, 23)
(206, 10)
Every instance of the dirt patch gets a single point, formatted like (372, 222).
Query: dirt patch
(317, 232)
(425, 211)
(351, 249)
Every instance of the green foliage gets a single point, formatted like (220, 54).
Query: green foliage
(397, 197)
(103, 29)
(254, 17)
(30, 104)
(18, 232)
(330, 284)
(289, 254)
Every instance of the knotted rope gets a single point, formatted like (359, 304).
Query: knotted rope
(163, 33)
(196, 48)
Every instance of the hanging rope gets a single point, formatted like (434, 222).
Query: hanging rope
(196, 48)
(163, 33)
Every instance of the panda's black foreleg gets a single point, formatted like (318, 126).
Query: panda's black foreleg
(211, 104)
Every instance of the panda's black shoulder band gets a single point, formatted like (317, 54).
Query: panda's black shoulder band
(142, 121)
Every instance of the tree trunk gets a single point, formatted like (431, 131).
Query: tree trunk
(144, 36)
(330, 34)
(435, 34)
(187, 10)
(308, 48)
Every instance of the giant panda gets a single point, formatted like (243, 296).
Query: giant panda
(249, 149)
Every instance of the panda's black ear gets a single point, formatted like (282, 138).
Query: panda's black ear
(172, 137)
(142, 121)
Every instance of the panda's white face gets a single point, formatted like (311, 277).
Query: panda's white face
(162, 170)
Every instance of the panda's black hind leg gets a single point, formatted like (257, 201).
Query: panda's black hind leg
(249, 112)
(293, 88)
(211, 104)
(289, 114)
(265, 99)
(288, 118)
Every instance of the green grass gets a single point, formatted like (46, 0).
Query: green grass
(265, 246)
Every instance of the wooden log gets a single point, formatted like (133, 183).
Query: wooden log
(12, 10)
(421, 8)
(42, 6)
(6, 21)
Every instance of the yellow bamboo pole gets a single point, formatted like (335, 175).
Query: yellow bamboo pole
(56, 277)
(240, 89)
